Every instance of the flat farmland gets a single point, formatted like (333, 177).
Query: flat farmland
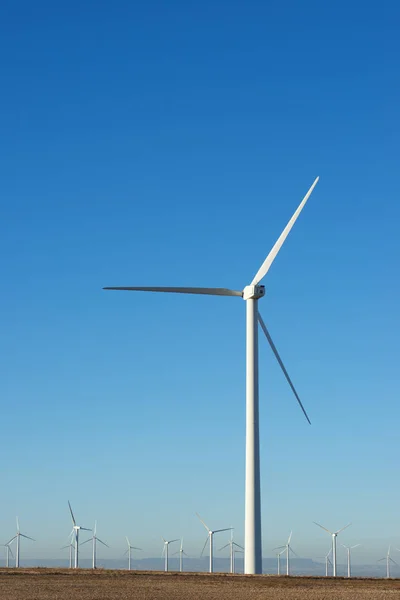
(64, 584)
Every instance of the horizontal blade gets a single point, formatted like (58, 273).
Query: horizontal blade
(84, 529)
(279, 548)
(134, 548)
(219, 530)
(181, 290)
(201, 520)
(205, 543)
(351, 547)
(343, 528)
(101, 542)
(27, 537)
(322, 527)
(278, 358)
(170, 541)
(263, 270)
(72, 514)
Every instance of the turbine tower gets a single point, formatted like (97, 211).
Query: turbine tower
(8, 552)
(349, 549)
(278, 556)
(388, 560)
(75, 534)
(251, 294)
(211, 539)
(94, 539)
(288, 549)
(18, 537)
(71, 552)
(128, 552)
(232, 545)
(165, 551)
(334, 535)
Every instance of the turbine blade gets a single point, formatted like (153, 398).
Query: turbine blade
(205, 543)
(201, 520)
(72, 514)
(219, 530)
(290, 537)
(263, 270)
(10, 541)
(293, 552)
(16, 518)
(164, 540)
(170, 541)
(355, 546)
(126, 537)
(322, 527)
(85, 542)
(84, 529)
(181, 290)
(279, 548)
(346, 526)
(101, 542)
(11, 552)
(223, 547)
(278, 358)
(238, 545)
(27, 537)
(393, 561)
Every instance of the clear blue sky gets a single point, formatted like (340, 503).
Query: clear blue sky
(168, 143)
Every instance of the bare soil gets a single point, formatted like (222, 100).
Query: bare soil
(64, 584)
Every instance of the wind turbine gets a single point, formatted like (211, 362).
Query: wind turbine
(75, 534)
(278, 556)
(388, 560)
(8, 552)
(128, 552)
(181, 553)
(334, 535)
(232, 546)
(251, 294)
(165, 551)
(94, 540)
(348, 549)
(71, 551)
(210, 537)
(288, 549)
(18, 542)
(327, 562)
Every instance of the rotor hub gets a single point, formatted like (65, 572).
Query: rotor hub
(253, 292)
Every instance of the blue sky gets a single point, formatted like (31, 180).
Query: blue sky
(168, 144)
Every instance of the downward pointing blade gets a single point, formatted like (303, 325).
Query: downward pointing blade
(101, 542)
(238, 545)
(263, 270)
(72, 514)
(181, 290)
(278, 358)
(322, 527)
(201, 520)
(27, 537)
(205, 543)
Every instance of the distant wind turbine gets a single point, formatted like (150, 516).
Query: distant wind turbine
(71, 552)
(75, 534)
(251, 294)
(165, 551)
(8, 552)
(94, 539)
(334, 535)
(349, 549)
(128, 552)
(278, 556)
(388, 560)
(327, 562)
(232, 545)
(181, 553)
(287, 547)
(18, 537)
(211, 540)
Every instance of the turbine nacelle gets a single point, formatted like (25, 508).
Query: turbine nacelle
(253, 292)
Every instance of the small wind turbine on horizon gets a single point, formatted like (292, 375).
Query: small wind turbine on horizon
(288, 549)
(165, 551)
(75, 534)
(210, 538)
(334, 535)
(327, 562)
(181, 553)
(388, 560)
(71, 551)
(8, 552)
(128, 552)
(278, 556)
(251, 294)
(232, 545)
(18, 537)
(94, 539)
(349, 549)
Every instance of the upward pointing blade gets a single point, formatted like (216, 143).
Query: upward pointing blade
(345, 527)
(263, 270)
(201, 520)
(182, 290)
(278, 358)
(322, 527)
(72, 514)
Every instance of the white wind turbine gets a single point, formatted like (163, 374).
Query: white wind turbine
(334, 535)
(288, 549)
(349, 549)
(388, 560)
(181, 553)
(251, 294)
(327, 562)
(18, 537)
(75, 534)
(94, 539)
(278, 556)
(71, 552)
(232, 546)
(165, 551)
(210, 537)
(8, 552)
(128, 552)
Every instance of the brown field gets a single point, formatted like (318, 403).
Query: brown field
(60, 584)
